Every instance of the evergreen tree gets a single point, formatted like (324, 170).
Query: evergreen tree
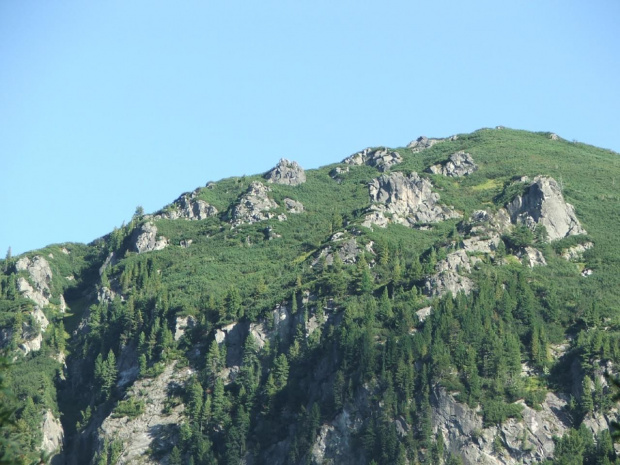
(364, 280)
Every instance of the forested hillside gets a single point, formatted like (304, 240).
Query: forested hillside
(454, 301)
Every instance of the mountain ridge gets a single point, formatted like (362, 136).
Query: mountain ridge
(292, 263)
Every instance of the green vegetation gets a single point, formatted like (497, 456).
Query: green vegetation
(353, 341)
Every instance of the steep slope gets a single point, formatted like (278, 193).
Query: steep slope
(455, 301)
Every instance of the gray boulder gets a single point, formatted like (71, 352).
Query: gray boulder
(286, 172)
(292, 206)
(407, 199)
(254, 206)
(543, 204)
(459, 164)
(144, 239)
(380, 158)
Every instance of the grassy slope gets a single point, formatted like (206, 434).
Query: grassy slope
(220, 256)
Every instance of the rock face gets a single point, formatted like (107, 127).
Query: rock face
(53, 433)
(279, 324)
(422, 143)
(380, 158)
(189, 207)
(334, 442)
(287, 172)
(409, 200)
(543, 204)
(524, 442)
(153, 429)
(459, 164)
(144, 239)
(39, 297)
(254, 206)
(183, 324)
(41, 276)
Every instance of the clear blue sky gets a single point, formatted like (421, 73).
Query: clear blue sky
(108, 105)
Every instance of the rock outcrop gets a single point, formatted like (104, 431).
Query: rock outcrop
(279, 323)
(422, 143)
(188, 207)
(334, 443)
(448, 276)
(53, 433)
(348, 251)
(543, 204)
(293, 206)
(576, 252)
(156, 428)
(409, 200)
(337, 173)
(532, 257)
(459, 164)
(144, 239)
(380, 158)
(183, 324)
(286, 172)
(447, 281)
(40, 274)
(254, 206)
(39, 292)
(525, 441)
